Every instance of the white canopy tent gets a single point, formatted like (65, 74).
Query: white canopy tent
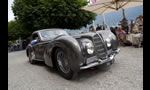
(106, 6)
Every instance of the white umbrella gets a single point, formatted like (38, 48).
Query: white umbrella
(106, 6)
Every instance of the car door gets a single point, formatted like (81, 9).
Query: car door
(37, 50)
(41, 46)
(37, 47)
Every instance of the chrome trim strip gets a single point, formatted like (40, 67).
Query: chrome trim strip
(90, 65)
(99, 45)
(102, 49)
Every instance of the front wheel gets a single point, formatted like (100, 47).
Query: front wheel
(31, 56)
(63, 65)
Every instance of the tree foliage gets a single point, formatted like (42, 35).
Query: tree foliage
(40, 14)
(15, 31)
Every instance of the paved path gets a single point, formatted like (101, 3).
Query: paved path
(125, 74)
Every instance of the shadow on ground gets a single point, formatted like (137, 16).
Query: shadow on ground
(82, 75)
(89, 73)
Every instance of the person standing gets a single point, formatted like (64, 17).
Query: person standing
(112, 29)
(131, 25)
(124, 23)
(24, 44)
(91, 29)
(98, 27)
(139, 23)
(121, 36)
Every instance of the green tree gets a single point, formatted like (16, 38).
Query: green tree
(40, 14)
(15, 31)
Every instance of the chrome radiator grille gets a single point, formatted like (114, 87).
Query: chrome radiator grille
(99, 47)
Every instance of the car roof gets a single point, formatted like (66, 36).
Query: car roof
(52, 29)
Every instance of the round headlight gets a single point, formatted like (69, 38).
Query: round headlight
(88, 45)
(90, 48)
(108, 42)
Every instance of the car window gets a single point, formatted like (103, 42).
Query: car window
(34, 36)
(47, 34)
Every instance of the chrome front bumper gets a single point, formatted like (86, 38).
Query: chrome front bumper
(99, 61)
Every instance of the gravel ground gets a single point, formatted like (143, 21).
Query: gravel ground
(125, 74)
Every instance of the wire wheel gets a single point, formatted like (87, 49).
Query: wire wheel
(31, 57)
(63, 62)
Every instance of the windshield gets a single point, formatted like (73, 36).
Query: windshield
(50, 34)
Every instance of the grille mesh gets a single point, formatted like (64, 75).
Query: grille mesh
(99, 47)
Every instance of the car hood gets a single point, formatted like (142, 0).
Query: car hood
(105, 34)
(89, 34)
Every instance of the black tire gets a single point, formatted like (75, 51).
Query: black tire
(31, 60)
(63, 69)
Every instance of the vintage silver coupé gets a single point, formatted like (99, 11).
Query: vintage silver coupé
(70, 54)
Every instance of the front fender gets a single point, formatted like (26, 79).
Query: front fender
(71, 47)
(27, 49)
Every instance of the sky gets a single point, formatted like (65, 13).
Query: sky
(10, 13)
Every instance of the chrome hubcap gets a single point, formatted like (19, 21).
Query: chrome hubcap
(32, 56)
(63, 62)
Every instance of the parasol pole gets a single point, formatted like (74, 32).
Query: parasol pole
(104, 18)
(94, 25)
(104, 22)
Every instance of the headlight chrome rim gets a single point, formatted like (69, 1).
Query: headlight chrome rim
(108, 41)
(88, 45)
(90, 48)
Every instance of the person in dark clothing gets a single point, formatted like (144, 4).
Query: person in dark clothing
(98, 27)
(113, 31)
(24, 44)
(91, 29)
(124, 23)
